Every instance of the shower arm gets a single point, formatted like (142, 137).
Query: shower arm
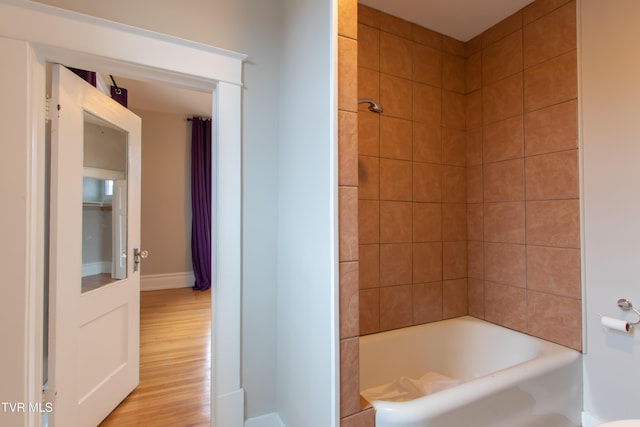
(374, 107)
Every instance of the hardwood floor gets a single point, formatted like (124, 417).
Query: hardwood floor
(175, 362)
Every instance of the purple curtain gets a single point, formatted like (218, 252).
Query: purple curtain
(89, 76)
(201, 202)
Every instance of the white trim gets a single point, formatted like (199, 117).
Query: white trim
(334, 224)
(581, 179)
(588, 420)
(36, 257)
(157, 282)
(229, 406)
(102, 174)
(226, 266)
(268, 420)
(100, 46)
(99, 267)
(52, 35)
(22, 228)
(102, 84)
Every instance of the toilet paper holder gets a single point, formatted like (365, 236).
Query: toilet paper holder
(626, 305)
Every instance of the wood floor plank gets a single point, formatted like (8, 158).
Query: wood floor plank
(175, 362)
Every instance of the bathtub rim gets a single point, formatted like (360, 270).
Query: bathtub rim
(551, 357)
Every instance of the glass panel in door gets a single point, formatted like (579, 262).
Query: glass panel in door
(104, 204)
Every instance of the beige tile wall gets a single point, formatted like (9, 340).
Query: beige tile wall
(523, 224)
(412, 182)
(463, 196)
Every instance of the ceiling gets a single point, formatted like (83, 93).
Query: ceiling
(153, 96)
(460, 19)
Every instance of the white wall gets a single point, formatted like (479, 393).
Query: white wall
(255, 27)
(289, 330)
(306, 233)
(610, 98)
(250, 27)
(166, 193)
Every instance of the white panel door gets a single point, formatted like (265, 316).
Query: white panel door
(94, 320)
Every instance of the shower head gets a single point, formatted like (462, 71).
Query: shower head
(374, 107)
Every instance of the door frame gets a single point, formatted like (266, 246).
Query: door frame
(52, 36)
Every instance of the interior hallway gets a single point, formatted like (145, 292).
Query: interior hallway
(175, 362)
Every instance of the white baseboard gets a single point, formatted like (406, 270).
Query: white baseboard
(230, 409)
(268, 420)
(93, 268)
(156, 282)
(589, 420)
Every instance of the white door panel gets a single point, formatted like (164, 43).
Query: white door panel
(94, 321)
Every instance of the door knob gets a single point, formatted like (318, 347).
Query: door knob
(137, 256)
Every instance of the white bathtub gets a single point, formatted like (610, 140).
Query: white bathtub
(507, 379)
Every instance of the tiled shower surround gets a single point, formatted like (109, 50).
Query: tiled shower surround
(412, 186)
(467, 192)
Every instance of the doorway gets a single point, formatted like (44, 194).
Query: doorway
(124, 51)
(166, 113)
(166, 278)
(166, 152)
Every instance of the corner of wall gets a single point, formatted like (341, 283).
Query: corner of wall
(268, 420)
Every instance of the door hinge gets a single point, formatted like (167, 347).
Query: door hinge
(47, 104)
(47, 109)
(48, 396)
